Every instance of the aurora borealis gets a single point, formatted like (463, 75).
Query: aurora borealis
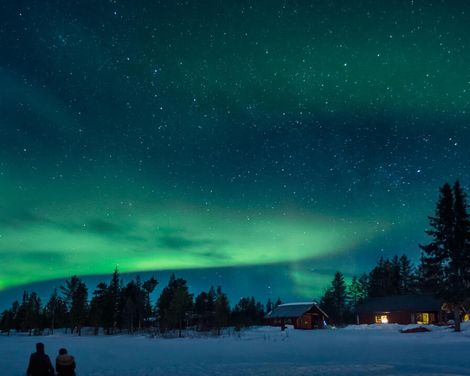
(261, 145)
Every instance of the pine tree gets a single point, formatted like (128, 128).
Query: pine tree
(376, 280)
(32, 317)
(20, 316)
(114, 301)
(446, 259)
(15, 310)
(394, 280)
(460, 258)
(6, 321)
(364, 286)
(340, 296)
(76, 295)
(55, 311)
(221, 310)
(98, 315)
(166, 308)
(204, 308)
(133, 296)
(328, 304)
(148, 286)
(179, 307)
(248, 312)
(407, 276)
(435, 253)
(355, 292)
(334, 300)
(269, 306)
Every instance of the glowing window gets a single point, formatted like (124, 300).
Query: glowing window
(381, 319)
(466, 317)
(423, 318)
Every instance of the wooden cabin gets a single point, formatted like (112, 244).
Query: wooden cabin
(301, 315)
(400, 309)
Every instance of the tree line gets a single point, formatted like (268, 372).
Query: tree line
(443, 270)
(115, 307)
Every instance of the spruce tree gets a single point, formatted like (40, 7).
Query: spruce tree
(75, 295)
(221, 310)
(364, 286)
(446, 260)
(148, 286)
(355, 292)
(179, 307)
(377, 280)
(98, 314)
(436, 253)
(334, 300)
(32, 317)
(6, 321)
(114, 302)
(55, 312)
(165, 305)
(269, 306)
(407, 276)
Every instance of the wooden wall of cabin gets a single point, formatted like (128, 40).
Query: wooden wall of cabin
(396, 317)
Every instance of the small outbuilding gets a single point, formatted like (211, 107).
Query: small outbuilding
(307, 315)
(400, 309)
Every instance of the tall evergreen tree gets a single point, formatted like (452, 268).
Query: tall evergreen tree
(165, 305)
(407, 276)
(356, 293)
(6, 321)
(204, 309)
(98, 314)
(364, 285)
(269, 306)
(180, 305)
(75, 295)
(148, 286)
(377, 280)
(55, 312)
(446, 259)
(221, 310)
(436, 253)
(335, 298)
(32, 317)
(114, 302)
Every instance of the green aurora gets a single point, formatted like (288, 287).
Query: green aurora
(299, 137)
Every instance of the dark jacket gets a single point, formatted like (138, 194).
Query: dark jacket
(40, 365)
(65, 365)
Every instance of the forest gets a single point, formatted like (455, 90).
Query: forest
(115, 307)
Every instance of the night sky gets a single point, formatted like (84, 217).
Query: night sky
(261, 145)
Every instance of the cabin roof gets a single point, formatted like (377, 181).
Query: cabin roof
(415, 303)
(293, 310)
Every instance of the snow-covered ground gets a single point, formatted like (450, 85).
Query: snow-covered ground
(355, 350)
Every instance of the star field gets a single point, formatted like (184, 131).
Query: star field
(267, 141)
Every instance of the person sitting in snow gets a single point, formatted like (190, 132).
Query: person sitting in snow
(40, 363)
(65, 364)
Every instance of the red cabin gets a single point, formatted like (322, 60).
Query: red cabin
(301, 315)
(400, 309)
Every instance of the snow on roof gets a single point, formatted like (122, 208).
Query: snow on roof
(297, 303)
(293, 310)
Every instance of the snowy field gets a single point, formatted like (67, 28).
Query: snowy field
(356, 350)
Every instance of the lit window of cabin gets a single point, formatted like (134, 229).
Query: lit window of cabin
(423, 318)
(466, 317)
(381, 319)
